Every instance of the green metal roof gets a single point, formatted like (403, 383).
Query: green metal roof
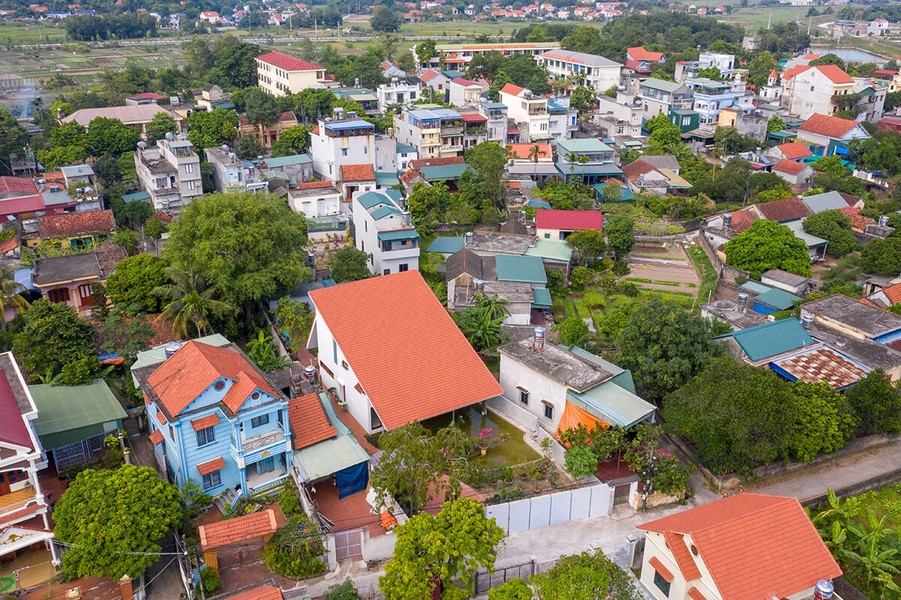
(398, 234)
(135, 197)
(553, 250)
(521, 269)
(395, 195)
(602, 169)
(778, 299)
(371, 199)
(782, 135)
(71, 413)
(446, 245)
(625, 194)
(538, 203)
(770, 339)
(285, 161)
(384, 211)
(582, 146)
(405, 148)
(386, 179)
(443, 173)
(613, 404)
(328, 457)
(666, 86)
(541, 298)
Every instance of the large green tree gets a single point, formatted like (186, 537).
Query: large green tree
(13, 139)
(161, 124)
(834, 227)
(587, 575)
(54, 340)
(208, 129)
(111, 136)
(442, 551)
(295, 140)
(349, 264)
(385, 18)
(882, 257)
(727, 414)
(587, 244)
(427, 203)
(620, 234)
(664, 346)
(131, 285)
(768, 245)
(112, 521)
(877, 403)
(190, 303)
(248, 246)
(489, 160)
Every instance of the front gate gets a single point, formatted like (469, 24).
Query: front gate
(349, 544)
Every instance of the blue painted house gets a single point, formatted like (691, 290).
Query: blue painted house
(215, 418)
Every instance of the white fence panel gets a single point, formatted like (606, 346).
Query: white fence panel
(519, 516)
(540, 512)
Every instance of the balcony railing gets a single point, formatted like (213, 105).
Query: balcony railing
(16, 501)
(263, 440)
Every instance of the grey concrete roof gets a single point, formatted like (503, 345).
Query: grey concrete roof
(467, 261)
(870, 321)
(48, 271)
(785, 277)
(558, 364)
(489, 242)
(592, 60)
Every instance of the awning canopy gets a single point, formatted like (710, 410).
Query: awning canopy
(613, 404)
(541, 298)
(573, 416)
(328, 457)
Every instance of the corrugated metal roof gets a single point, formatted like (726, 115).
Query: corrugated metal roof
(778, 299)
(443, 173)
(398, 234)
(541, 298)
(446, 245)
(770, 339)
(524, 269)
(555, 250)
(68, 414)
(613, 404)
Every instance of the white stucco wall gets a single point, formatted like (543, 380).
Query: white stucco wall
(515, 375)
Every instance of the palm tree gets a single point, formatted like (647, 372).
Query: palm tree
(10, 297)
(191, 303)
(535, 152)
(495, 307)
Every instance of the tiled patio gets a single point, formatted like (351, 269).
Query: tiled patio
(352, 512)
(34, 568)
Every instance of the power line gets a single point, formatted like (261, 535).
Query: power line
(68, 545)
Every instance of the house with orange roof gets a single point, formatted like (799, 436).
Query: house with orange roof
(743, 547)
(815, 89)
(281, 74)
(795, 173)
(640, 54)
(361, 325)
(830, 135)
(790, 151)
(215, 418)
(529, 111)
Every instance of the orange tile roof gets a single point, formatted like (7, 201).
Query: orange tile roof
(789, 166)
(70, 224)
(787, 209)
(156, 437)
(834, 73)
(827, 125)
(263, 592)
(239, 529)
(418, 163)
(288, 63)
(522, 151)
(661, 568)
(894, 293)
(858, 221)
(309, 185)
(742, 220)
(792, 72)
(512, 89)
(194, 368)
(640, 53)
(754, 546)
(794, 150)
(435, 373)
(308, 420)
(211, 466)
(9, 245)
(161, 418)
(204, 422)
(811, 56)
(682, 555)
(695, 594)
(357, 173)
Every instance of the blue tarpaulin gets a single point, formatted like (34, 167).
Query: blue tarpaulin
(352, 480)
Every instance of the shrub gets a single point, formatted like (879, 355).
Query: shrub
(289, 502)
(209, 578)
(295, 549)
(515, 589)
(342, 591)
(594, 300)
(580, 276)
(580, 461)
(573, 331)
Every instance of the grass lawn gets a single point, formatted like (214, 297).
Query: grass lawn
(706, 270)
(30, 33)
(753, 19)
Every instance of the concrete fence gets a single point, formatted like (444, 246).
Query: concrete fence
(552, 509)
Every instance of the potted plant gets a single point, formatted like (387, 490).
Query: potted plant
(484, 440)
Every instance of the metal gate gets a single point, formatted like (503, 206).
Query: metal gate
(487, 581)
(621, 494)
(349, 544)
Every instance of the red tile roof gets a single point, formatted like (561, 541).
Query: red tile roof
(419, 163)
(308, 185)
(794, 71)
(429, 75)
(834, 73)
(161, 418)
(156, 437)
(695, 594)
(858, 221)
(823, 366)
(194, 368)
(569, 220)
(308, 420)
(217, 464)
(811, 56)
(789, 166)
(19, 195)
(263, 592)
(73, 224)
(754, 546)
(288, 63)
(794, 150)
(639, 53)
(661, 568)
(471, 117)
(239, 529)
(12, 425)
(636, 169)
(9, 245)
(894, 293)
(828, 126)
(432, 374)
(464, 82)
(522, 151)
(205, 422)
(512, 89)
(357, 173)
(781, 211)
(682, 554)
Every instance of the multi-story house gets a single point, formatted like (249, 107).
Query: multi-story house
(398, 92)
(435, 132)
(496, 124)
(659, 96)
(214, 418)
(810, 90)
(588, 70)
(772, 91)
(710, 96)
(315, 199)
(268, 135)
(588, 160)
(435, 83)
(724, 62)
(458, 56)
(341, 141)
(475, 127)
(23, 506)
(830, 133)
(464, 92)
(528, 111)
(563, 120)
(280, 74)
(354, 345)
(382, 228)
(230, 173)
(169, 172)
(870, 101)
(619, 117)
